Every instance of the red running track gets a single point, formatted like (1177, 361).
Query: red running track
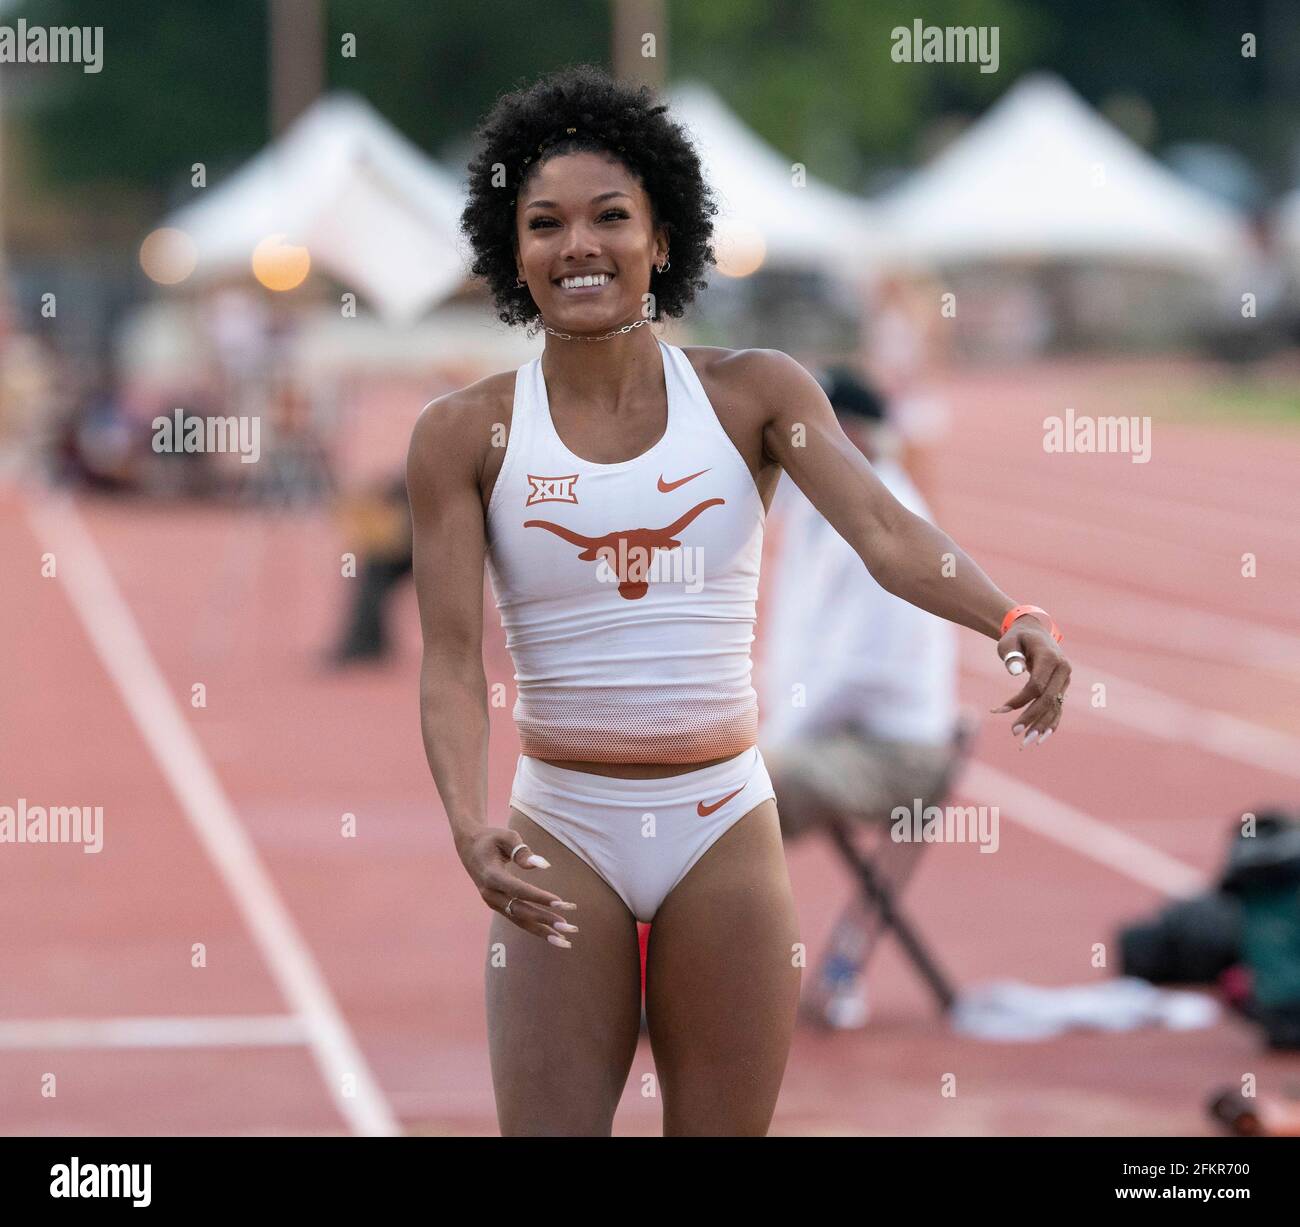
(340, 985)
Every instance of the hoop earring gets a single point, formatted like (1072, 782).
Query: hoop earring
(519, 281)
(664, 267)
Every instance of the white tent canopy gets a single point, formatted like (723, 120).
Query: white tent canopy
(761, 210)
(1042, 176)
(370, 207)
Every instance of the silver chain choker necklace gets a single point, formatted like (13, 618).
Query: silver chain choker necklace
(618, 332)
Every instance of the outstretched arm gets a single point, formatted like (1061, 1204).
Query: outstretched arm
(906, 555)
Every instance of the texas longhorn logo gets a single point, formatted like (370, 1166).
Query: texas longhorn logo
(551, 489)
(628, 552)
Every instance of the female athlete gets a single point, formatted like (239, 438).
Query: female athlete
(616, 488)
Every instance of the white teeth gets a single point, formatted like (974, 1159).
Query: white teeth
(573, 283)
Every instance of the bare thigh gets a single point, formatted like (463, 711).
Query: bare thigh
(563, 1024)
(722, 984)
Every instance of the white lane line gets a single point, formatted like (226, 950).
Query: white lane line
(1070, 534)
(1080, 832)
(1159, 715)
(221, 1031)
(1166, 625)
(1157, 505)
(112, 629)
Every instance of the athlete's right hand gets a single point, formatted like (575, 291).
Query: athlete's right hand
(486, 855)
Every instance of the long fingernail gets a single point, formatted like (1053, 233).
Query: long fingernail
(1045, 736)
(1033, 737)
(1015, 732)
(538, 862)
(568, 907)
(556, 940)
(565, 927)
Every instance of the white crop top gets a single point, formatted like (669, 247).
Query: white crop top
(627, 591)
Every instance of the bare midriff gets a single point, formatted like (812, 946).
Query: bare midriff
(635, 771)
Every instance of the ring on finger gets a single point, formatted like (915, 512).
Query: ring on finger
(511, 904)
(516, 849)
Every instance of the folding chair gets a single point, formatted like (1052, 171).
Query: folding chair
(881, 870)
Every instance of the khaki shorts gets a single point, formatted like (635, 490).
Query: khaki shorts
(854, 775)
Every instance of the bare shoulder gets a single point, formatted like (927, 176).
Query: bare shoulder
(758, 376)
(748, 389)
(459, 427)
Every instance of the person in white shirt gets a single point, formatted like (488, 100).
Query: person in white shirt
(859, 687)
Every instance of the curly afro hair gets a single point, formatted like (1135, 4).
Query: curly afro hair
(583, 109)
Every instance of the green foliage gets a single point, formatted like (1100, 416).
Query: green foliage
(186, 82)
(181, 83)
(817, 79)
(434, 68)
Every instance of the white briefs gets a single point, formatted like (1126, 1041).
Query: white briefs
(641, 836)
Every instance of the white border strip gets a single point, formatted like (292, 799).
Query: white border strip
(1159, 715)
(1168, 626)
(122, 650)
(1082, 833)
(221, 1031)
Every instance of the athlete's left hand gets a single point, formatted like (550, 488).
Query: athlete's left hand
(1048, 680)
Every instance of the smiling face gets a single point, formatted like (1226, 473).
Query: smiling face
(586, 239)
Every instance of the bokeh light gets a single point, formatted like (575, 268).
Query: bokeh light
(279, 265)
(168, 255)
(741, 249)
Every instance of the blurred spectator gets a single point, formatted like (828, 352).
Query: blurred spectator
(860, 704)
(27, 402)
(240, 328)
(380, 529)
(905, 341)
(176, 472)
(100, 445)
(294, 467)
(1243, 332)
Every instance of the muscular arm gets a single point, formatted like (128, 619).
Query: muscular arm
(449, 542)
(905, 553)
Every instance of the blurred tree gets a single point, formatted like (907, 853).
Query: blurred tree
(181, 83)
(434, 69)
(1184, 58)
(817, 79)
(188, 82)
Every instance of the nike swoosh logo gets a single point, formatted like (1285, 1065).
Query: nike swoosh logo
(665, 486)
(705, 810)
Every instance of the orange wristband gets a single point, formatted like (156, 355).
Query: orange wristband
(1019, 612)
